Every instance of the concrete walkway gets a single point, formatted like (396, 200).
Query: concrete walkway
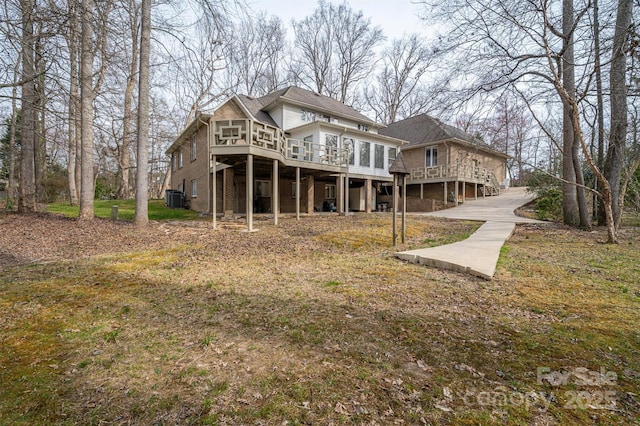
(478, 254)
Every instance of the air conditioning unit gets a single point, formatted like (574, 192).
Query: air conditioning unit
(173, 199)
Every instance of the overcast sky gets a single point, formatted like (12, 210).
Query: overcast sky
(396, 17)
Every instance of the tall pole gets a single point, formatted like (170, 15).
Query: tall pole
(395, 207)
(214, 192)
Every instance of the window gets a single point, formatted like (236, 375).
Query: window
(325, 118)
(392, 155)
(263, 188)
(180, 160)
(331, 144)
(293, 190)
(181, 188)
(350, 146)
(308, 147)
(174, 161)
(431, 156)
(307, 115)
(194, 188)
(378, 156)
(363, 127)
(194, 144)
(329, 191)
(365, 154)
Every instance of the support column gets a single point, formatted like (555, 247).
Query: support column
(445, 193)
(275, 192)
(422, 191)
(214, 193)
(297, 193)
(346, 194)
(340, 193)
(228, 193)
(464, 191)
(475, 191)
(249, 184)
(455, 193)
(311, 196)
(367, 195)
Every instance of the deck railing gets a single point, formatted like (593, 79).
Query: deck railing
(467, 172)
(237, 132)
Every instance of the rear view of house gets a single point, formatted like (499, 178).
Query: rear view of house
(290, 151)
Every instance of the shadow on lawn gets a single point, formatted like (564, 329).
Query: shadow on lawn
(114, 347)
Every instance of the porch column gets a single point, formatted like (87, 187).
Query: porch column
(249, 184)
(214, 193)
(228, 193)
(310, 194)
(297, 193)
(445, 192)
(464, 191)
(275, 192)
(367, 194)
(340, 194)
(475, 191)
(456, 192)
(422, 191)
(346, 194)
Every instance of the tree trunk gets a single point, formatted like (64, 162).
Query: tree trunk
(124, 155)
(27, 200)
(12, 190)
(142, 177)
(40, 147)
(598, 211)
(72, 43)
(614, 162)
(87, 189)
(569, 194)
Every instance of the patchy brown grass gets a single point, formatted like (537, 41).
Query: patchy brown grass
(311, 322)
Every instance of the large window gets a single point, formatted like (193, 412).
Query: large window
(194, 188)
(392, 156)
(180, 159)
(194, 145)
(431, 156)
(365, 154)
(378, 156)
(331, 144)
(174, 161)
(350, 146)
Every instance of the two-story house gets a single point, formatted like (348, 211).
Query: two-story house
(290, 151)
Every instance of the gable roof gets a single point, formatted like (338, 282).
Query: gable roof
(423, 129)
(306, 98)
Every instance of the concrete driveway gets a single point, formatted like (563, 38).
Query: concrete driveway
(495, 209)
(478, 254)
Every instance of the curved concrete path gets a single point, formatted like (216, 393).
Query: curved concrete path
(478, 254)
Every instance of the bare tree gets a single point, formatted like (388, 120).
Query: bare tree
(256, 48)
(27, 200)
(142, 176)
(336, 46)
(506, 43)
(400, 79)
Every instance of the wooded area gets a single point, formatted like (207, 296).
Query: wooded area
(551, 83)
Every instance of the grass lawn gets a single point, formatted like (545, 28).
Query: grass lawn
(316, 322)
(126, 210)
